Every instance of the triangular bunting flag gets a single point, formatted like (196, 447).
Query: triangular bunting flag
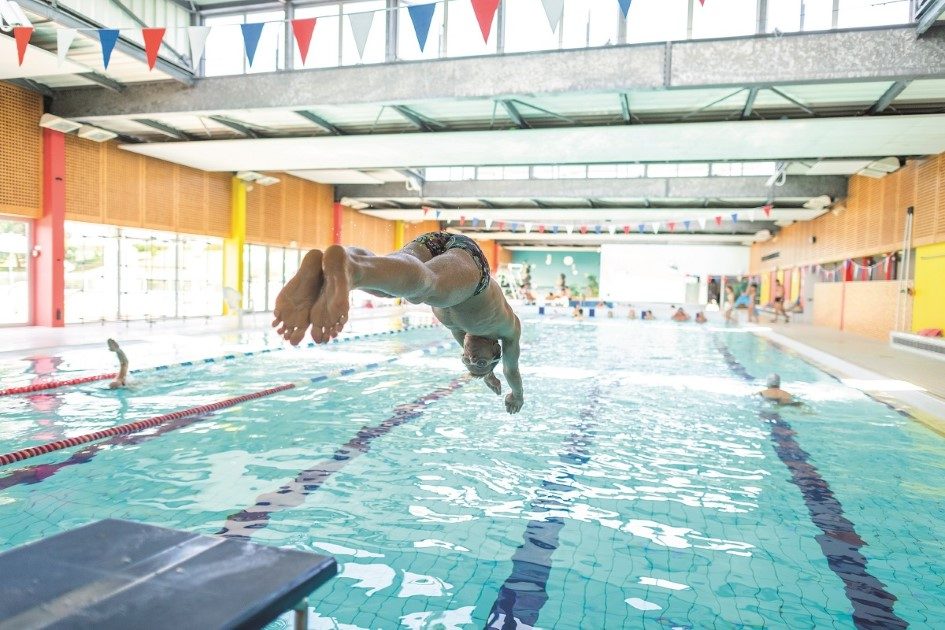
(686, 223)
(64, 37)
(485, 13)
(513, 227)
(672, 226)
(107, 37)
(569, 228)
(488, 224)
(361, 28)
(500, 225)
(421, 15)
(528, 228)
(641, 228)
(425, 210)
(22, 35)
(597, 229)
(302, 30)
(583, 229)
(624, 6)
(462, 220)
(554, 10)
(541, 229)
(702, 2)
(734, 217)
(436, 213)
(701, 223)
(626, 229)
(197, 36)
(475, 222)
(251, 34)
(751, 215)
(718, 220)
(554, 229)
(612, 229)
(656, 227)
(152, 44)
(767, 208)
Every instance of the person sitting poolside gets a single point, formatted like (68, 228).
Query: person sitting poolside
(121, 379)
(577, 313)
(775, 394)
(680, 315)
(648, 315)
(445, 271)
(701, 318)
(631, 314)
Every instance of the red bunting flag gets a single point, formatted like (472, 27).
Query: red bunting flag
(626, 229)
(462, 220)
(152, 44)
(702, 2)
(485, 13)
(425, 210)
(767, 208)
(22, 35)
(672, 225)
(541, 229)
(583, 229)
(302, 30)
(500, 225)
(718, 220)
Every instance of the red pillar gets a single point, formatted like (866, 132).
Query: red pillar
(495, 256)
(48, 286)
(336, 224)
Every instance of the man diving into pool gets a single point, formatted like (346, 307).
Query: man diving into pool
(446, 271)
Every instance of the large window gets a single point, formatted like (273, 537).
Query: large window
(266, 269)
(323, 50)
(225, 49)
(376, 43)
(14, 272)
(121, 273)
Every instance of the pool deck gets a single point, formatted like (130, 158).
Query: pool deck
(896, 376)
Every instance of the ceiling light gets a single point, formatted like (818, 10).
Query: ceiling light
(784, 223)
(881, 168)
(96, 134)
(267, 180)
(762, 235)
(58, 124)
(818, 203)
(248, 176)
(354, 203)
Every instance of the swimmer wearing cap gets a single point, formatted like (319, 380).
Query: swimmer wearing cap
(446, 271)
(775, 394)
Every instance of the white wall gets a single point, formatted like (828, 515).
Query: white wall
(658, 273)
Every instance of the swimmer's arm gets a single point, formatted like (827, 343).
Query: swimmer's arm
(459, 336)
(510, 356)
(122, 367)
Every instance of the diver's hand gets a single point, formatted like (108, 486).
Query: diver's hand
(513, 403)
(493, 383)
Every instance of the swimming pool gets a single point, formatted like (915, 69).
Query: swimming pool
(643, 485)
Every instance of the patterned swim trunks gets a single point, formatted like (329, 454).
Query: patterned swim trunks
(441, 242)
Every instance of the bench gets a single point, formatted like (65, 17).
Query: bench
(116, 574)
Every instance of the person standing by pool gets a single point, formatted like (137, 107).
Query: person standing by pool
(779, 302)
(445, 271)
(752, 294)
(120, 380)
(729, 304)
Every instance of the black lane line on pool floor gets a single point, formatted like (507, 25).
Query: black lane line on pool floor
(839, 542)
(243, 524)
(525, 591)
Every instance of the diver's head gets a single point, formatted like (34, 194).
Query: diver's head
(774, 381)
(480, 355)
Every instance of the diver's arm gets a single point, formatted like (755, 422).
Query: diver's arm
(510, 356)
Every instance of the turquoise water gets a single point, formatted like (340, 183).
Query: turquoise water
(641, 486)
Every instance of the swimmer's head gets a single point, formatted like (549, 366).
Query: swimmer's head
(112, 345)
(774, 381)
(481, 355)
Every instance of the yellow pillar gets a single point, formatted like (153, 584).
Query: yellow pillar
(233, 246)
(398, 235)
(928, 307)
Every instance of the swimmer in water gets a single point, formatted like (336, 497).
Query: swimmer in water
(775, 394)
(446, 271)
(120, 380)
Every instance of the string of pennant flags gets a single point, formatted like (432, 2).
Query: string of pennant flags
(554, 228)
(841, 269)
(421, 16)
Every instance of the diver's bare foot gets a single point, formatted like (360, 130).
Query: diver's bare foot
(330, 311)
(295, 300)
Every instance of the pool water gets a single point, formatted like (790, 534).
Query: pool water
(643, 484)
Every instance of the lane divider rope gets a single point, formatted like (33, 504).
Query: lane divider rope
(37, 387)
(138, 425)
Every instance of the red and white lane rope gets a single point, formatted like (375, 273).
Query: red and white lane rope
(138, 425)
(37, 387)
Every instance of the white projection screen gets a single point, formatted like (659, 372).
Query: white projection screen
(661, 273)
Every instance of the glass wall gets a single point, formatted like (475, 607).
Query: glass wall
(14, 272)
(520, 26)
(122, 273)
(266, 269)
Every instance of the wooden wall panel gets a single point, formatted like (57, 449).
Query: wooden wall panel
(413, 230)
(21, 152)
(274, 211)
(292, 213)
(869, 222)
(83, 180)
(254, 216)
(371, 233)
(864, 308)
(105, 184)
(827, 304)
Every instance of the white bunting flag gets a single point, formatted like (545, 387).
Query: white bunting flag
(613, 229)
(361, 27)
(701, 223)
(569, 228)
(656, 227)
(488, 223)
(64, 37)
(751, 215)
(554, 9)
(197, 36)
(528, 227)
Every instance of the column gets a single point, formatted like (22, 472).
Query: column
(233, 245)
(48, 280)
(398, 234)
(337, 216)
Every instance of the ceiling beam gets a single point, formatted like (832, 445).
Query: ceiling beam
(174, 132)
(514, 114)
(33, 86)
(137, 20)
(422, 123)
(321, 122)
(888, 97)
(932, 12)
(69, 18)
(793, 101)
(625, 108)
(104, 81)
(749, 102)
(235, 125)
